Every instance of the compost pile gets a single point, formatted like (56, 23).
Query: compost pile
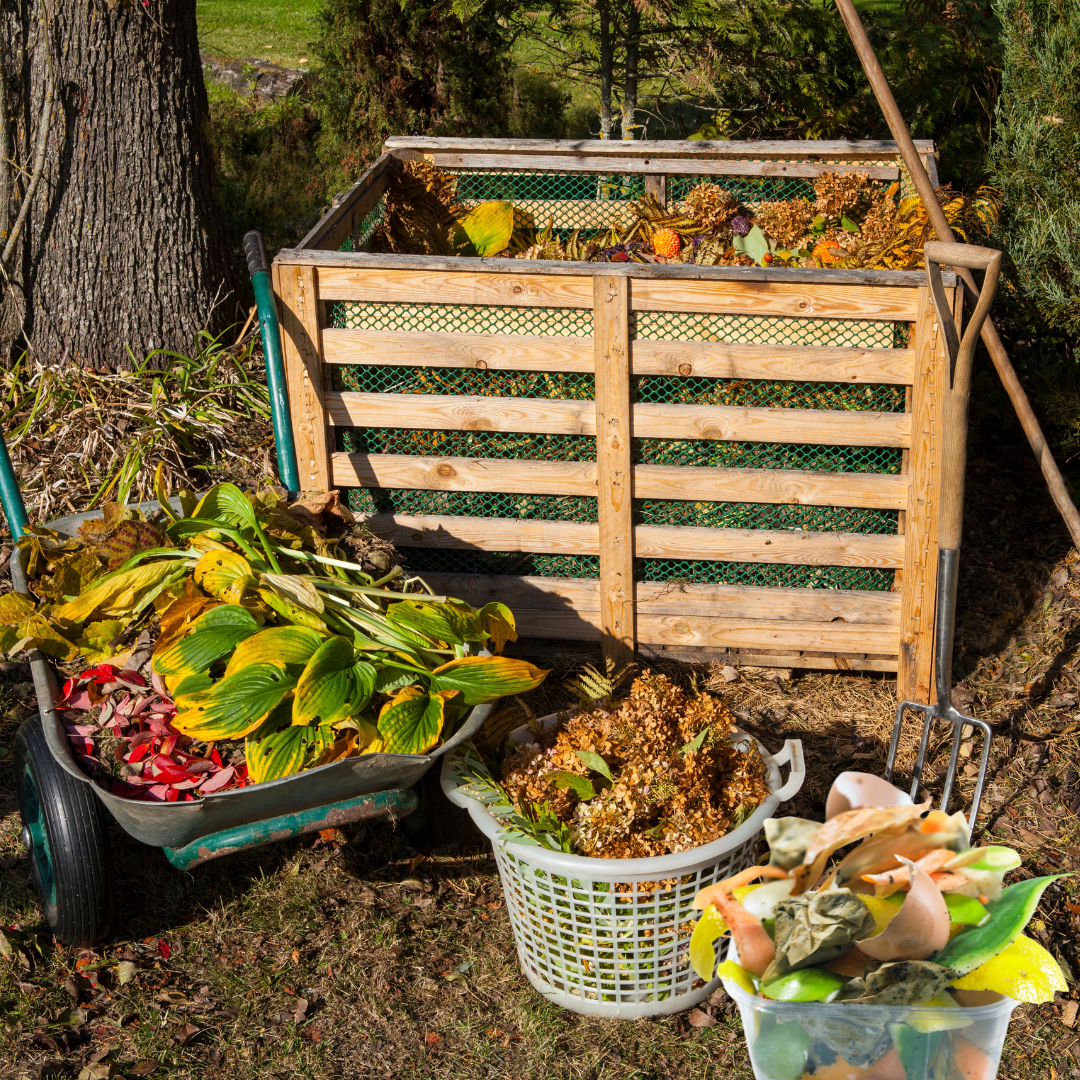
(653, 774)
(912, 916)
(852, 222)
(244, 638)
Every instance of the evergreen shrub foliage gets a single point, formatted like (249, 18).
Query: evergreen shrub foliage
(1035, 155)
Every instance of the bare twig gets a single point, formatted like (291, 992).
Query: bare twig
(41, 145)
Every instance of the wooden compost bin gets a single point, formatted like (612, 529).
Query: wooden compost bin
(695, 461)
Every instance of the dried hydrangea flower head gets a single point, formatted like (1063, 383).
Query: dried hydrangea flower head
(786, 222)
(711, 207)
(837, 192)
(677, 781)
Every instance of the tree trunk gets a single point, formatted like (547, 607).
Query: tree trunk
(607, 69)
(630, 84)
(124, 245)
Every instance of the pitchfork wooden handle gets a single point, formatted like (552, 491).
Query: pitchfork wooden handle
(961, 356)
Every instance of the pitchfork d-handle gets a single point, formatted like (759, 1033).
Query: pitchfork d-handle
(951, 514)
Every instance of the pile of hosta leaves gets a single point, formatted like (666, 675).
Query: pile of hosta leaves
(654, 773)
(262, 631)
(852, 222)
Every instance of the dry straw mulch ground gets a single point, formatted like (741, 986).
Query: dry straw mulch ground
(374, 953)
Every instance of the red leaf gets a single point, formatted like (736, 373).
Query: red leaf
(103, 673)
(215, 757)
(218, 780)
(172, 795)
(163, 948)
(164, 768)
(432, 1039)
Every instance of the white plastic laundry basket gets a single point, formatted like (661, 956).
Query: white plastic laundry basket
(611, 937)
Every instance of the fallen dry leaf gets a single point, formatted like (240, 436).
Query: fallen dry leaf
(432, 1039)
(699, 1019)
(1068, 1013)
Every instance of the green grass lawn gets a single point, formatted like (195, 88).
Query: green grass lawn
(276, 30)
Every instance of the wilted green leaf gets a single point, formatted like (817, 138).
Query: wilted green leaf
(484, 678)
(296, 589)
(696, 743)
(333, 686)
(228, 504)
(452, 623)
(581, 786)
(213, 635)
(594, 762)
(412, 722)
(290, 646)
(234, 705)
(276, 752)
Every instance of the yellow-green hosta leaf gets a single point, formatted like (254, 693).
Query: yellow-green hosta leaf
(452, 622)
(487, 227)
(484, 678)
(228, 504)
(213, 635)
(14, 608)
(333, 686)
(234, 705)
(95, 639)
(224, 574)
(38, 633)
(498, 620)
(291, 612)
(290, 646)
(412, 722)
(296, 589)
(119, 594)
(284, 751)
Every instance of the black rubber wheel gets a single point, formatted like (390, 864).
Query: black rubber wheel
(64, 832)
(437, 822)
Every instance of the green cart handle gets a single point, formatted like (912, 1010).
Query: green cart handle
(10, 496)
(259, 269)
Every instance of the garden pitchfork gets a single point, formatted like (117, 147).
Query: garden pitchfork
(951, 514)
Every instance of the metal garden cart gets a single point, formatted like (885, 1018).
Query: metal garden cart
(64, 812)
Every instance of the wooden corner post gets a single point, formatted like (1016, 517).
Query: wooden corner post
(931, 381)
(611, 344)
(297, 289)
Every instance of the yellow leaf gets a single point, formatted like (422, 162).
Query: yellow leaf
(38, 633)
(14, 608)
(224, 574)
(284, 645)
(119, 594)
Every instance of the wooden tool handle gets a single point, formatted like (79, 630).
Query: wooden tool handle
(961, 357)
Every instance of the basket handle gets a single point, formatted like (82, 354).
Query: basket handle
(791, 754)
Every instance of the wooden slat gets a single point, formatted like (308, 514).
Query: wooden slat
(297, 290)
(716, 632)
(920, 527)
(691, 149)
(458, 287)
(529, 268)
(818, 301)
(449, 412)
(644, 541)
(336, 223)
(870, 490)
(636, 165)
(499, 352)
(713, 359)
(775, 658)
(614, 473)
(806, 363)
(668, 598)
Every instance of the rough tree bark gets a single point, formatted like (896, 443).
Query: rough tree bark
(124, 245)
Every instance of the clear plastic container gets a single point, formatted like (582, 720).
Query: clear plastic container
(793, 1040)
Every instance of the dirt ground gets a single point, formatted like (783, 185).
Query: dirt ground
(369, 954)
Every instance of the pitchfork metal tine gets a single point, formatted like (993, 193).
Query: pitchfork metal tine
(957, 719)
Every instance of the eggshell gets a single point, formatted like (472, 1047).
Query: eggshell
(853, 790)
(919, 929)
